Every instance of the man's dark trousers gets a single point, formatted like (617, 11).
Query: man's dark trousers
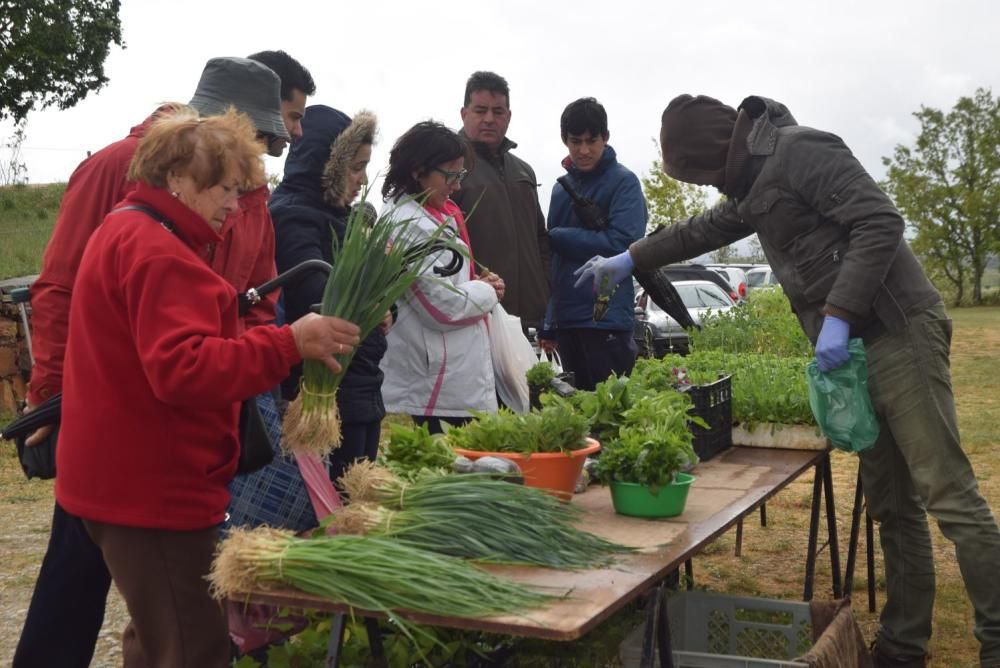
(67, 606)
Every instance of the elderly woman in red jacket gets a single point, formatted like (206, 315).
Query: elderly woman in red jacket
(156, 368)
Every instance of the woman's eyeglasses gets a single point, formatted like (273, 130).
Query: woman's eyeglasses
(452, 178)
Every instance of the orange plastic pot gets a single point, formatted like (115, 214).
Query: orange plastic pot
(555, 472)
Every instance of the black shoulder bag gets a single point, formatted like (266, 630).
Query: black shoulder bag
(256, 448)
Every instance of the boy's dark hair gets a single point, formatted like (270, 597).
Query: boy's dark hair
(490, 81)
(291, 72)
(582, 116)
(421, 148)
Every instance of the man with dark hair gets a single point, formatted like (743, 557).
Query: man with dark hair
(70, 593)
(296, 85)
(835, 241)
(604, 213)
(499, 198)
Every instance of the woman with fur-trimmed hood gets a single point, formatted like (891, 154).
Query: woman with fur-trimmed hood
(324, 173)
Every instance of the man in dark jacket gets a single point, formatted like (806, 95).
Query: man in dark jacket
(499, 198)
(594, 336)
(310, 206)
(835, 241)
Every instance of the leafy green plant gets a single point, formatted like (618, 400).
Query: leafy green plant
(653, 442)
(604, 407)
(765, 388)
(764, 324)
(541, 374)
(555, 428)
(413, 450)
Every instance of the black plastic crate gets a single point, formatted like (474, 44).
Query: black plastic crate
(713, 403)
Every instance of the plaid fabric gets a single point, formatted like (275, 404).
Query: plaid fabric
(275, 495)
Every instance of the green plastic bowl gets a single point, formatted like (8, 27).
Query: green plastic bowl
(637, 500)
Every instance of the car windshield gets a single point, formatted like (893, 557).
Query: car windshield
(704, 295)
(755, 279)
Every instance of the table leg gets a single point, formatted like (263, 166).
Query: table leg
(807, 594)
(852, 543)
(739, 537)
(763, 514)
(689, 574)
(870, 544)
(338, 622)
(379, 659)
(831, 526)
(657, 630)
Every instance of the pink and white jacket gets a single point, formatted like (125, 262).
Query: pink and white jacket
(438, 362)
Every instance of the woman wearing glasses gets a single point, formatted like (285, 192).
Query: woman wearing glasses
(438, 366)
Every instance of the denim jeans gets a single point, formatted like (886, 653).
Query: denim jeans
(67, 606)
(916, 467)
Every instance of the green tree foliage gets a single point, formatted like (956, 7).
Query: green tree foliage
(948, 188)
(53, 51)
(669, 200)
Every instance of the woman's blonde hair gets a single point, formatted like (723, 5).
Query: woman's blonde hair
(206, 149)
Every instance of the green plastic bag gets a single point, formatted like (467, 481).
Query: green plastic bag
(840, 401)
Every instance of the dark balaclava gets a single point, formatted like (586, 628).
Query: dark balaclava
(694, 135)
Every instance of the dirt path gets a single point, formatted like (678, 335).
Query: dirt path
(25, 517)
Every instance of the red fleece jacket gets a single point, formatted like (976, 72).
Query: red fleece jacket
(155, 370)
(244, 256)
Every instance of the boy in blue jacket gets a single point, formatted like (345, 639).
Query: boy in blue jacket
(603, 215)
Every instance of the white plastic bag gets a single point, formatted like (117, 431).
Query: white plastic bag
(552, 358)
(512, 357)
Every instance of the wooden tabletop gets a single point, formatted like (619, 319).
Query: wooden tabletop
(726, 488)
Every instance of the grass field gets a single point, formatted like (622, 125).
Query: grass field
(27, 215)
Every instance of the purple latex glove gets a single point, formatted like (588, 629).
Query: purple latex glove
(605, 272)
(831, 346)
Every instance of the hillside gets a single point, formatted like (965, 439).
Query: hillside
(27, 215)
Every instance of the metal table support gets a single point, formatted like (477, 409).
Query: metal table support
(338, 622)
(823, 482)
(852, 546)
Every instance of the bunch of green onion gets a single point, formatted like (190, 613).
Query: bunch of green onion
(371, 270)
(366, 573)
(474, 516)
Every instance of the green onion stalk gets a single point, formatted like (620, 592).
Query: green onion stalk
(375, 265)
(366, 573)
(474, 516)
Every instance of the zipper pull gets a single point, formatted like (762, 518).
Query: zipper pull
(836, 256)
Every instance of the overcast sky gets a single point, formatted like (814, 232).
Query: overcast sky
(859, 69)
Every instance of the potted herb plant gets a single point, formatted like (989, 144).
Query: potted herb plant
(642, 463)
(540, 376)
(549, 446)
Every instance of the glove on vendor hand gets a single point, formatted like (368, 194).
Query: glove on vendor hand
(605, 272)
(831, 346)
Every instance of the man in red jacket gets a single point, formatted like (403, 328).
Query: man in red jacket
(71, 591)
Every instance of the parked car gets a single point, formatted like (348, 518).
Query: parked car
(698, 272)
(657, 334)
(761, 277)
(736, 277)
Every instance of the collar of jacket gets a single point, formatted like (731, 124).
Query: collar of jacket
(608, 158)
(768, 115)
(737, 178)
(191, 228)
(484, 151)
